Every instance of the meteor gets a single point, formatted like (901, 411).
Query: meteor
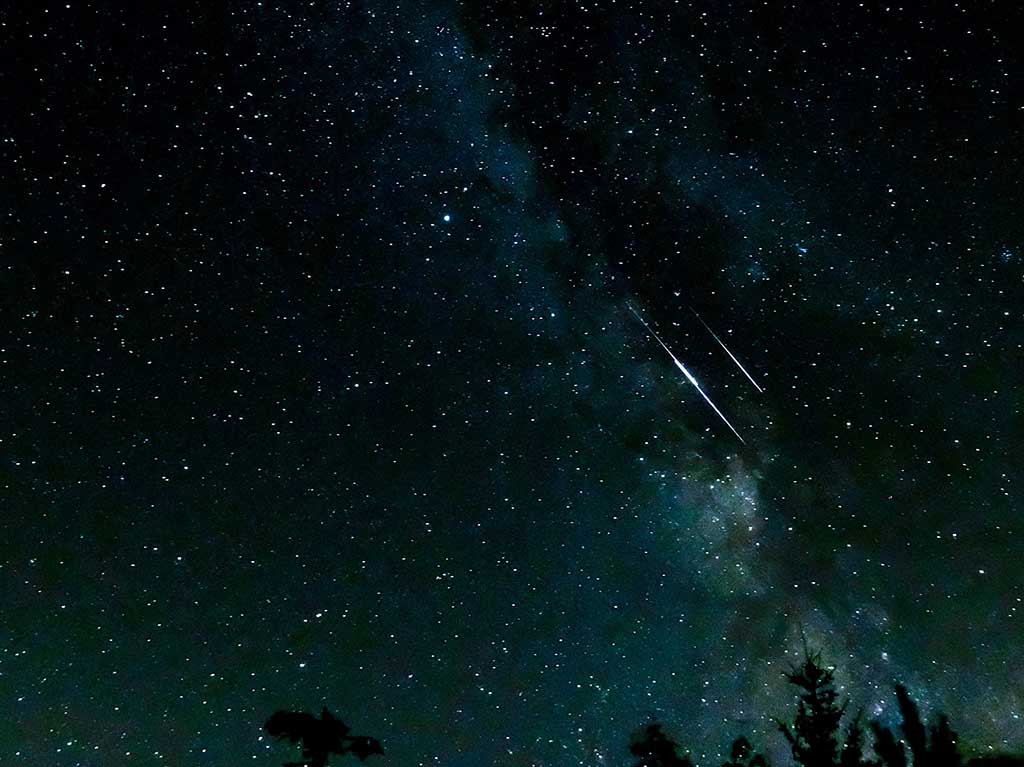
(731, 356)
(687, 373)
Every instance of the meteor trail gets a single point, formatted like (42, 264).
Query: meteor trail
(749, 378)
(689, 376)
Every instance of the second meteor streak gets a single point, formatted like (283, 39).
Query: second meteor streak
(687, 374)
(731, 355)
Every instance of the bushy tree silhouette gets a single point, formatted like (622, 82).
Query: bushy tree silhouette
(653, 748)
(742, 754)
(813, 736)
(319, 737)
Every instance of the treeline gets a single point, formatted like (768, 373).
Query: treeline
(817, 736)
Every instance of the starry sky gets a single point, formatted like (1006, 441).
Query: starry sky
(320, 384)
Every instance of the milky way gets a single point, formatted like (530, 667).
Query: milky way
(320, 386)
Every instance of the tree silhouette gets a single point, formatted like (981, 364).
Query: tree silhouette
(742, 754)
(937, 748)
(912, 727)
(943, 751)
(813, 737)
(654, 748)
(319, 737)
(815, 740)
(852, 753)
(889, 750)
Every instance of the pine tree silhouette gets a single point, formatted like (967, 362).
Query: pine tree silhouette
(943, 751)
(813, 737)
(852, 753)
(937, 748)
(654, 748)
(912, 727)
(889, 750)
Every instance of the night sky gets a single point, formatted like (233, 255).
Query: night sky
(321, 385)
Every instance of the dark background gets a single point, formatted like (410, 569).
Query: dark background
(319, 385)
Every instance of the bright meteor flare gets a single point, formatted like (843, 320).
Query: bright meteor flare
(685, 372)
(731, 356)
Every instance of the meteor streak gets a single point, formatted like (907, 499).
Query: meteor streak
(733, 358)
(685, 372)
